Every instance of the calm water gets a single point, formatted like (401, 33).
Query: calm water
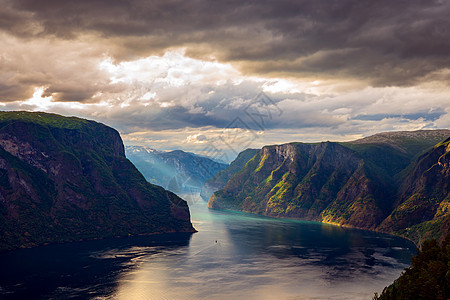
(233, 256)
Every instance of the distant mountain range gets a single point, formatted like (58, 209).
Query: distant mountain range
(178, 171)
(394, 182)
(67, 179)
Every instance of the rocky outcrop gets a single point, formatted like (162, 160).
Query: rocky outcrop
(67, 179)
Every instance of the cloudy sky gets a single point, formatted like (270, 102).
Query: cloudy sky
(217, 76)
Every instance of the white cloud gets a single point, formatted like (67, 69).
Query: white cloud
(196, 139)
(174, 101)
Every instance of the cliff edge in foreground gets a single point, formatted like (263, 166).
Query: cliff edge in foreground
(67, 179)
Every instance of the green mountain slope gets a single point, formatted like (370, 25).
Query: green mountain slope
(390, 153)
(422, 208)
(220, 179)
(351, 184)
(67, 179)
(326, 182)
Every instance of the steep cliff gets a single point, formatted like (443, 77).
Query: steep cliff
(359, 184)
(324, 182)
(67, 179)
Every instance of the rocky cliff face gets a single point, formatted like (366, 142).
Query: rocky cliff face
(67, 179)
(323, 182)
(359, 184)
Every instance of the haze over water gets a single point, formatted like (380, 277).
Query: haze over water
(234, 255)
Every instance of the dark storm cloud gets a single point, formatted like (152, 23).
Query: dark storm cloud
(180, 117)
(14, 92)
(383, 42)
(428, 116)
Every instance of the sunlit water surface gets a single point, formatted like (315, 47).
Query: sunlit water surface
(233, 256)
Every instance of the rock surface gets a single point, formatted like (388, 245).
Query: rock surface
(67, 179)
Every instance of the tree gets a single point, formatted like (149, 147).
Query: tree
(427, 278)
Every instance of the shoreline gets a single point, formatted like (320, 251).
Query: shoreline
(22, 247)
(317, 221)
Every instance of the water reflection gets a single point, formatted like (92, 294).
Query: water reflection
(234, 255)
(264, 258)
(79, 270)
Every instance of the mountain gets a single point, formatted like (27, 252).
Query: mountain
(219, 180)
(67, 179)
(178, 171)
(325, 182)
(391, 152)
(357, 184)
(422, 208)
